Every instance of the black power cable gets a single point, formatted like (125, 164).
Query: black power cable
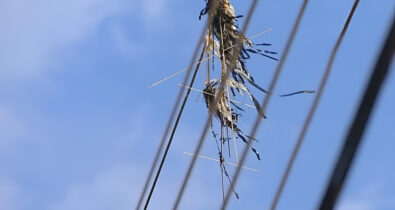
(313, 109)
(173, 113)
(361, 119)
(174, 129)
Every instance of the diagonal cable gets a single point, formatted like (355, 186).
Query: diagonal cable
(213, 107)
(173, 113)
(361, 119)
(173, 131)
(267, 99)
(313, 108)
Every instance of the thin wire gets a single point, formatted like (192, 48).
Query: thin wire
(171, 118)
(173, 132)
(232, 164)
(233, 133)
(313, 109)
(206, 59)
(361, 119)
(267, 99)
(212, 109)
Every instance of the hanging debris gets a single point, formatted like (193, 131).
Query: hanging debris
(225, 29)
(221, 40)
(225, 41)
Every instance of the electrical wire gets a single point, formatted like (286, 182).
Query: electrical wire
(313, 109)
(361, 119)
(267, 99)
(173, 113)
(173, 131)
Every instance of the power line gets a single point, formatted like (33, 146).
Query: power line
(174, 130)
(213, 106)
(267, 99)
(361, 119)
(173, 113)
(313, 109)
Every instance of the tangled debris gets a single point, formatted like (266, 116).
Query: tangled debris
(221, 40)
(222, 37)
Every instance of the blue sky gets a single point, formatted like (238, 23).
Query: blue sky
(79, 127)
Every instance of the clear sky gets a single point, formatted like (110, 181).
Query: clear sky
(79, 127)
